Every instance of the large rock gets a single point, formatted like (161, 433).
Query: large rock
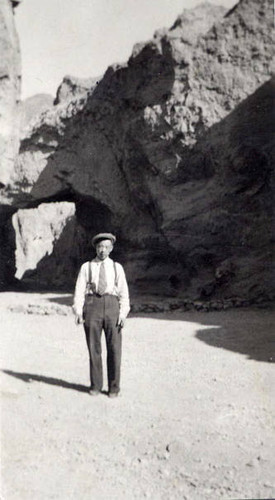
(31, 108)
(10, 77)
(173, 152)
(38, 231)
(72, 87)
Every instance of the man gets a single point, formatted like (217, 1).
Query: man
(101, 302)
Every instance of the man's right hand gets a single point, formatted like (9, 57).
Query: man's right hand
(79, 320)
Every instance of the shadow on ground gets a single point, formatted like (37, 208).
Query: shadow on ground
(30, 377)
(257, 344)
(246, 331)
(63, 300)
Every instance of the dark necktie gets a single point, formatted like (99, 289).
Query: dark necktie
(102, 282)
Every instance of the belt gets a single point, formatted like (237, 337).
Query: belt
(99, 296)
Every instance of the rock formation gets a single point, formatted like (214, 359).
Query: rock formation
(72, 87)
(31, 108)
(173, 151)
(10, 76)
(37, 231)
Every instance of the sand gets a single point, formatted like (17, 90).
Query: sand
(193, 420)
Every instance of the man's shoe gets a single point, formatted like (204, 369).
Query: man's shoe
(113, 394)
(93, 392)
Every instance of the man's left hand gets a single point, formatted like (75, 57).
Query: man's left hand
(121, 322)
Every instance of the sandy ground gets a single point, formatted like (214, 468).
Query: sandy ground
(193, 421)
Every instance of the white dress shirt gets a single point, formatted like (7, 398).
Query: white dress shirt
(117, 287)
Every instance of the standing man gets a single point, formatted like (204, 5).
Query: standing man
(101, 302)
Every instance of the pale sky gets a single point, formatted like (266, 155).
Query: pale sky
(83, 37)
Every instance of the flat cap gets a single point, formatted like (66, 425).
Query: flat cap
(103, 236)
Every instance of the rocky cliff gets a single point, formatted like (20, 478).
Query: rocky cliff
(10, 76)
(174, 152)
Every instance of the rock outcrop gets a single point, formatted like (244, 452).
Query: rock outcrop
(72, 87)
(10, 77)
(174, 152)
(37, 231)
(31, 108)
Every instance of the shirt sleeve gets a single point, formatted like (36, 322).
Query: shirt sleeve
(123, 292)
(80, 289)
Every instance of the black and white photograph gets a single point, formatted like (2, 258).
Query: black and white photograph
(137, 231)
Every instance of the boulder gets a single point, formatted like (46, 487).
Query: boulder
(38, 233)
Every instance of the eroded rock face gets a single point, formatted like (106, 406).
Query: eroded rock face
(31, 108)
(10, 76)
(173, 152)
(37, 233)
(72, 87)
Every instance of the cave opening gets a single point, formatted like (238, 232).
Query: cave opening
(54, 238)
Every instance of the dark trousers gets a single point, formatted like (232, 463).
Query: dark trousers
(101, 313)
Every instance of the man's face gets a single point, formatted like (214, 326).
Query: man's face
(103, 249)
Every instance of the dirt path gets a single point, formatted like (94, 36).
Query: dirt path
(194, 419)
